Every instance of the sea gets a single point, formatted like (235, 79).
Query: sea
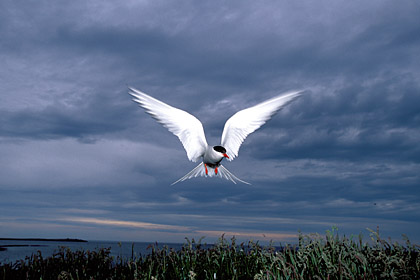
(14, 250)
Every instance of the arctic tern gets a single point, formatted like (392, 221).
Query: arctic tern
(190, 131)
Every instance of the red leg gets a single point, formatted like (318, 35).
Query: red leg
(205, 166)
(215, 170)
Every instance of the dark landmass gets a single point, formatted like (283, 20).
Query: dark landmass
(23, 245)
(5, 246)
(44, 239)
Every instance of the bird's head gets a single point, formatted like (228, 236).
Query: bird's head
(221, 150)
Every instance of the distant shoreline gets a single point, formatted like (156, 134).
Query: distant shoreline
(44, 239)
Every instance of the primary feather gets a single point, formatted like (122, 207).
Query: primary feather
(184, 125)
(246, 121)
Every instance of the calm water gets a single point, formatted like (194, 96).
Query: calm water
(47, 248)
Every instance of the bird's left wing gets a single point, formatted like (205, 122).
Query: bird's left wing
(246, 121)
(184, 125)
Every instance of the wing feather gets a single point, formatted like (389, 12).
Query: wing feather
(182, 124)
(246, 121)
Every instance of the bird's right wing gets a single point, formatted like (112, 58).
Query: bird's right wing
(246, 121)
(184, 125)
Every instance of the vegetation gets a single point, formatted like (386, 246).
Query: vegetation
(315, 257)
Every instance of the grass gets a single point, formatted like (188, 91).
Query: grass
(315, 257)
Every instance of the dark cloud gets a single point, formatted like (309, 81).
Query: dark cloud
(78, 154)
(95, 115)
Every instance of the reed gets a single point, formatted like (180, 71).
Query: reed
(314, 257)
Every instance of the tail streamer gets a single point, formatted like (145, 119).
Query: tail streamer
(200, 171)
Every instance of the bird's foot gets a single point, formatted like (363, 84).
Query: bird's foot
(205, 166)
(215, 171)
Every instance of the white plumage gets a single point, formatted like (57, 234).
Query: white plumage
(246, 121)
(190, 131)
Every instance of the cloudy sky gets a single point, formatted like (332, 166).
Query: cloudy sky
(80, 159)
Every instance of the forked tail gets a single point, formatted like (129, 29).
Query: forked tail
(199, 170)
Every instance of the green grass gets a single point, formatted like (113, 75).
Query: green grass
(317, 257)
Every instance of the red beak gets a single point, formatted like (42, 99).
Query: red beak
(225, 155)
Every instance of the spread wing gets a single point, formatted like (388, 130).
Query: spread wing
(246, 121)
(184, 125)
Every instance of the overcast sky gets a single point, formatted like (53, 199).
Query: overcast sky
(80, 159)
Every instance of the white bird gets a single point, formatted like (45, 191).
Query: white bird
(191, 133)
